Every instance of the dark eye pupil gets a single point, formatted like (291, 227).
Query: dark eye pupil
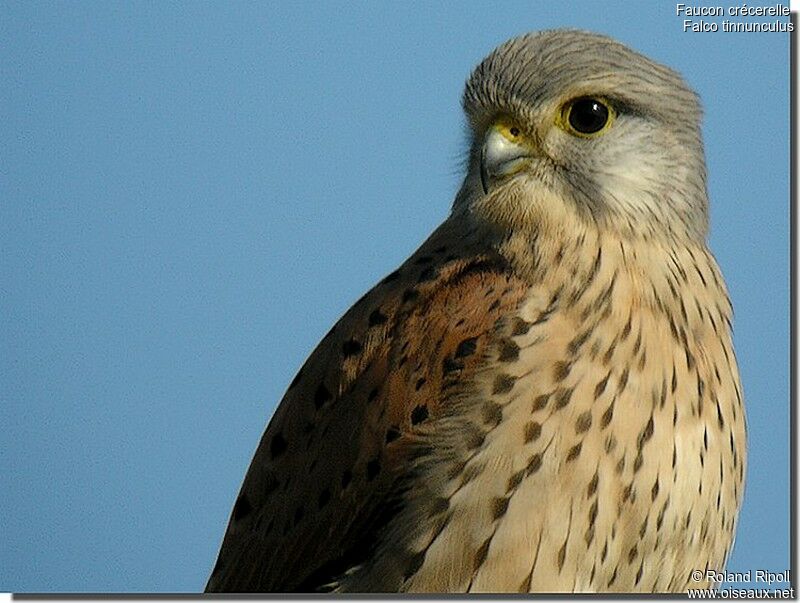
(588, 115)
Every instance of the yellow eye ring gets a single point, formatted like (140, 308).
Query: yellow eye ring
(586, 116)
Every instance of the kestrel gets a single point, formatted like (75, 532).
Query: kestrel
(544, 396)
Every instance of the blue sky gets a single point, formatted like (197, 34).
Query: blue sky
(192, 193)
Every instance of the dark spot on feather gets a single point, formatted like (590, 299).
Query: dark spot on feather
(584, 422)
(520, 327)
(626, 493)
(392, 434)
(637, 344)
(592, 487)
(424, 259)
(419, 414)
(601, 386)
(509, 351)
(373, 469)
(639, 574)
(299, 512)
(642, 360)
(466, 347)
(410, 295)
(347, 477)
(481, 553)
(492, 413)
(626, 330)
(623, 379)
(503, 384)
(475, 440)
(534, 463)
(499, 507)
(563, 396)
(646, 434)
(324, 497)
(515, 480)
(351, 347)
(376, 318)
(593, 512)
(450, 366)
(609, 352)
(372, 395)
(470, 473)
(607, 415)
(540, 402)
(562, 554)
(574, 452)
(277, 446)
(532, 431)
(689, 357)
(578, 341)
(561, 370)
(321, 396)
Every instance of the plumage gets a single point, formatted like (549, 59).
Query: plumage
(544, 396)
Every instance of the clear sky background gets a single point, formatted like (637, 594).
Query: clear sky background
(191, 194)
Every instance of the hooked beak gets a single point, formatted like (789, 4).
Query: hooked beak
(501, 157)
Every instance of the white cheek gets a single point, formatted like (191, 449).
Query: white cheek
(635, 169)
(631, 172)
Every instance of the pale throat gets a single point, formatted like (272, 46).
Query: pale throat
(650, 274)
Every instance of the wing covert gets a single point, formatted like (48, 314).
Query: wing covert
(337, 457)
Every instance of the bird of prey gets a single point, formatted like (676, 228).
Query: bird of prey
(544, 397)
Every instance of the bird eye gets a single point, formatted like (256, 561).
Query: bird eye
(587, 116)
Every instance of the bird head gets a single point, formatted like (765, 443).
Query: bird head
(570, 125)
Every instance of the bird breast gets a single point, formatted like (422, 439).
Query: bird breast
(611, 454)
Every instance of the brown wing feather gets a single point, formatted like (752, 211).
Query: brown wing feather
(331, 467)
